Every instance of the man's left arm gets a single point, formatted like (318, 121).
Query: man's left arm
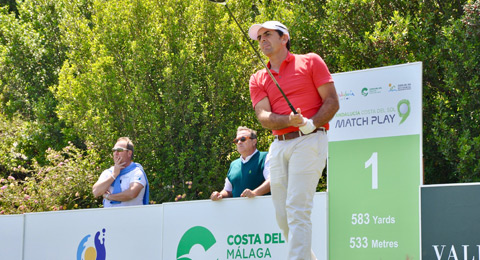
(126, 195)
(330, 105)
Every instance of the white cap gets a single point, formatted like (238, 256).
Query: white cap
(272, 25)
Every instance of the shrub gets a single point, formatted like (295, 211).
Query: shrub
(63, 183)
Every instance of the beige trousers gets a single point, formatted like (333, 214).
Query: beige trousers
(296, 166)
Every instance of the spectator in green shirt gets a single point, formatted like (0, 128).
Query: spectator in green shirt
(249, 175)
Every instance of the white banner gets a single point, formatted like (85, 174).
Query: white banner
(95, 234)
(238, 228)
(11, 237)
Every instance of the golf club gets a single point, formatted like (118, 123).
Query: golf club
(224, 3)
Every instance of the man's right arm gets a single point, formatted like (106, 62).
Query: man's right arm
(129, 194)
(102, 185)
(220, 195)
(273, 121)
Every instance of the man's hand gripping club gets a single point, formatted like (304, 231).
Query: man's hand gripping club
(306, 125)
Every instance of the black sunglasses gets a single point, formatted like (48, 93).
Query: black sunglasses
(242, 139)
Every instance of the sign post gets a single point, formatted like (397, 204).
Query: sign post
(375, 165)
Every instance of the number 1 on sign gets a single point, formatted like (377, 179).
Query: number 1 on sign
(373, 161)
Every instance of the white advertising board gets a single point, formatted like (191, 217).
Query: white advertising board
(377, 102)
(375, 161)
(95, 234)
(237, 228)
(11, 237)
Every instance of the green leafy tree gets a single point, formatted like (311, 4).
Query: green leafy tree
(177, 87)
(455, 124)
(173, 76)
(31, 55)
(11, 4)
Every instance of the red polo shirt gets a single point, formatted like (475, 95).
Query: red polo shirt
(299, 77)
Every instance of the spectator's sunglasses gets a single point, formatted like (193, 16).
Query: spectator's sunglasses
(119, 149)
(242, 139)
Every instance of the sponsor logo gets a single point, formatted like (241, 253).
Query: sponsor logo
(92, 248)
(399, 87)
(392, 88)
(371, 91)
(198, 243)
(194, 237)
(365, 91)
(346, 95)
(456, 252)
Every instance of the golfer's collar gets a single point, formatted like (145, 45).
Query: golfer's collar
(290, 57)
(248, 157)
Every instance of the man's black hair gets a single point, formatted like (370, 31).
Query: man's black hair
(288, 43)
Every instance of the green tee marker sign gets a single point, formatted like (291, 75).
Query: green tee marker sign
(375, 170)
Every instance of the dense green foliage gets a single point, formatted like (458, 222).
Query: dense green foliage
(173, 76)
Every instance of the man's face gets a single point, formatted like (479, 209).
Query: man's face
(125, 155)
(270, 41)
(248, 146)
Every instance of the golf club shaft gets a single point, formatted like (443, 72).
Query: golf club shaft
(259, 57)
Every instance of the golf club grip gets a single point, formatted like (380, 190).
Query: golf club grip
(293, 109)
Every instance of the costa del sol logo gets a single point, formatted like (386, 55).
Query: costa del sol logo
(365, 92)
(195, 243)
(92, 248)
